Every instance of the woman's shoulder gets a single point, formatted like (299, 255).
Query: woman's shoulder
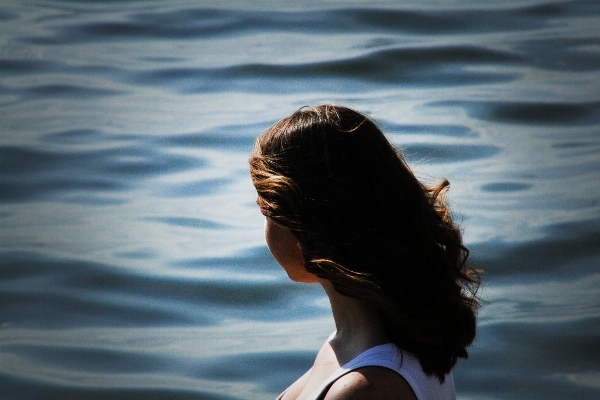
(371, 383)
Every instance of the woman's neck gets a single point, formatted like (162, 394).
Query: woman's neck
(358, 325)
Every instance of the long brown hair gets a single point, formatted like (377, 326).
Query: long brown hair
(371, 228)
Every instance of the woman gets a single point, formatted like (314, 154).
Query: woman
(344, 210)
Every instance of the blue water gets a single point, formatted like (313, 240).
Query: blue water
(132, 261)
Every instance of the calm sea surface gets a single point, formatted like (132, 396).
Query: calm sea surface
(132, 260)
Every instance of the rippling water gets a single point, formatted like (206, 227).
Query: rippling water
(132, 261)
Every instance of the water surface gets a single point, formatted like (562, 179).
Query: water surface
(132, 262)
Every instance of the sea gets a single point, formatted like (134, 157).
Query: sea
(132, 257)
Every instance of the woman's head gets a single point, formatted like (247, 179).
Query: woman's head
(366, 224)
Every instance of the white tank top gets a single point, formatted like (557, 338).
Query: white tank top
(407, 365)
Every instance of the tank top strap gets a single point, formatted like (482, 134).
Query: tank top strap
(385, 355)
(405, 364)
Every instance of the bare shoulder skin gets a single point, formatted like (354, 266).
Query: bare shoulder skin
(371, 383)
(325, 364)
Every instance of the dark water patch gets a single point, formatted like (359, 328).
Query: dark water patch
(572, 145)
(162, 59)
(22, 265)
(178, 24)
(17, 160)
(19, 67)
(37, 68)
(521, 360)
(435, 153)
(441, 130)
(556, 113)
(238, 137)
(29, 389)
(38, 290)
(547, 346)
(451, 21)
(377, 42)
(194, 189)
(505, 187)
(277, 370)
(391, 66)
(76, 136)
(7, 15)
(13, 191)
(87, 359)
(551, 113)
(66, 92)
(578, 149)
(93, 201)
(555, 254)
(237, 294)
(138, 160)
(190, 222)
(438, 66)
(57, 308)
(137, 255)
(194, 23)
(30, 174)
(563, 54)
